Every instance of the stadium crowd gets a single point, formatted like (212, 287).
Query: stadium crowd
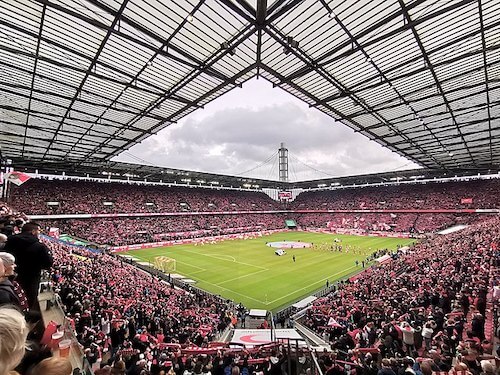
(135, 230)
(429, 301)
(386, 222)
(72, 197)
(39, 196)
(128, 231)
(443, 195)
(422, 313)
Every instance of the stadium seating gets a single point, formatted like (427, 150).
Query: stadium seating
(446, 195)
(128, 231)
(93, 197)
(427, 303)
(84, 197)
(433, 283)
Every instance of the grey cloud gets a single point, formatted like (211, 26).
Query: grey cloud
(234, 140)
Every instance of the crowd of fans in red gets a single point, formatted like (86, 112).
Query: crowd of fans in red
(445, 195)
(400, 222)
(87, 197)
(429, 302)
(128, 231)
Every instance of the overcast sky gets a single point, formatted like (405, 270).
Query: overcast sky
(236, 133)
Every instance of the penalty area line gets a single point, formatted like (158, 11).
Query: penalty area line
(241, 277)
(324, 279)
(232, 291)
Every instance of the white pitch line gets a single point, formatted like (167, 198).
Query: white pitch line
(289, 294)
(192, 265)
(211, 256)
(232, 291)
(196, 272)
(224, 257)
(241, 277)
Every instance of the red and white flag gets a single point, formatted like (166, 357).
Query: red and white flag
(17, 178)
(333, 323)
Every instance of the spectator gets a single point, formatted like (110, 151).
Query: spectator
(3, 240)
(118, 368)
(8, 295)
(32, 257)
(53, 366)
(13, 333)
(386, 368)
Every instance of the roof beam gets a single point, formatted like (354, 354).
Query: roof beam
(89, 69)
(485, 67)
(261, 14)
(321, 59)
(37, 54)
(235, 41)
(274, 15)
(248, 13)
(432, 70)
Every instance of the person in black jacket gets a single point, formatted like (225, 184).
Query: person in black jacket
(32, 257)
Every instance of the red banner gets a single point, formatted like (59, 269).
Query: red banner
(466, 200)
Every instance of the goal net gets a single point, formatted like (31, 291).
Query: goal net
(165, 264)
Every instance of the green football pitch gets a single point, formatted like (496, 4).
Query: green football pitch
(249, 272)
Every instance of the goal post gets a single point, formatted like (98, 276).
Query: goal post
(165, 264)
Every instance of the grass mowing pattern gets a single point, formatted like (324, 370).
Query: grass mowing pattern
(249, 272)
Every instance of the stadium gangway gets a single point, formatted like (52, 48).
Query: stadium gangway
(77, 357)
(324, 291)
(293, 350)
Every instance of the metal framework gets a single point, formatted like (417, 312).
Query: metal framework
(83, 80)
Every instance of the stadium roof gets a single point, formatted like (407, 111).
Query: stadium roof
(119, 171)
(83, 80)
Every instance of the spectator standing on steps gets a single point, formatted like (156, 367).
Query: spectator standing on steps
(32, 257)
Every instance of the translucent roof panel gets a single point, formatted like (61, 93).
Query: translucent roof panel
(83, 80)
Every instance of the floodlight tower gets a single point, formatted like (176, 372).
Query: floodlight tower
(283, 163)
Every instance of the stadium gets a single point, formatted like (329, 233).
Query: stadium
(113, 267)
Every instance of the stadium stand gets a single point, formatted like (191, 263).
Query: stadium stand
(428, 304)
(412, 223)
(84, 81)
(412, 209)
(445, 195)
(127, 231)
(89, 197)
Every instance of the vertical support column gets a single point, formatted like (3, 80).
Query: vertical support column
(283, 163)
